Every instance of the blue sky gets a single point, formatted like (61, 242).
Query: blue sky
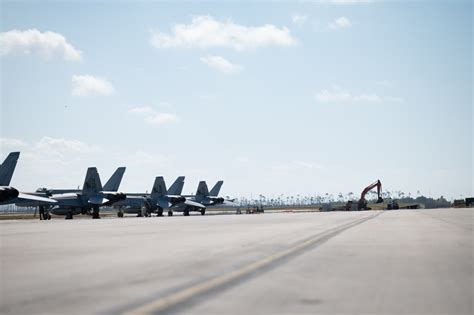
(293, 98)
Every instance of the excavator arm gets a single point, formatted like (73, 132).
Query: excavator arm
(363, 202)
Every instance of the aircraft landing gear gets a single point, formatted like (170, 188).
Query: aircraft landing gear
(120, 214)
(170, 213)
(95, 213)
(186, 212)
(142, 212)
(160, 211)
(203, 211)
(70, 215)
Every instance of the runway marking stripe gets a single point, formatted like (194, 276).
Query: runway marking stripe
(166, 302)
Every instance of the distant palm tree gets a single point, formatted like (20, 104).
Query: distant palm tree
(350, 195)
(341, 197)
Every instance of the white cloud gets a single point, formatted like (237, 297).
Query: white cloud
(12, 143)
(338, 95)
(61, 146)
(162, 118)
(298, 19)
(53, 162)
(88, 85)
(340, 23)
(334, 95)
(221, 64)
(32, 41)
(50, 146)
(205, 31)
(153, 117)
(62, 163)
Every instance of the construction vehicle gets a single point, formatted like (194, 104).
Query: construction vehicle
(393, 205)
(459, 203)
(362, 204)
(470, 202)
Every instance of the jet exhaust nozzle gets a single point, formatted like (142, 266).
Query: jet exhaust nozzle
(218, 200)
(177, 199)
(7, 193)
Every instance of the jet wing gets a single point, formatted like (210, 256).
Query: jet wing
(111, 193)
(183, 205)
(230, 203)
(193, 203)
(26, 200)
(131, 201)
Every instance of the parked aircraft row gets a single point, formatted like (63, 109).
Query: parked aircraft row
(93, 195)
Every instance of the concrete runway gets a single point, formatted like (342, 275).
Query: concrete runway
(392, 262)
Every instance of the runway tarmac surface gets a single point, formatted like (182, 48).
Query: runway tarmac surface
(391, 262)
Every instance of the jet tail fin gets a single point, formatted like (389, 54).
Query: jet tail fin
(114, 181)
(92, 182)
(202, 190)
(7, 168)
(216, 189)
(177, 187)
(159, 187)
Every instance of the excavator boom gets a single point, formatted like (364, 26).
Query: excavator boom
(363, 202)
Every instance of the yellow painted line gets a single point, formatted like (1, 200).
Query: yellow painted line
(183, 295)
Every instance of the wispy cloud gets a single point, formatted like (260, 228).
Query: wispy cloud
(61, 146)
(338, 95)
(34, 42)
(205, 31)
(298, 19)
(340, 23)
(62, 162)
(88, 85)
(50, 146)
(162, 118)
(221, 64)
(12, 143)
(153, 117)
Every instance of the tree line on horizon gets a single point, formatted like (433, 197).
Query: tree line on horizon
(283, 200)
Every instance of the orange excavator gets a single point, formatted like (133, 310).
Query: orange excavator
(362, 204)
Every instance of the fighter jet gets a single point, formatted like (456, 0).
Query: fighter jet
(88, 200)
(206, 197)
(8, 194)
(210, 198)
(112, 184)
(159, 200)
